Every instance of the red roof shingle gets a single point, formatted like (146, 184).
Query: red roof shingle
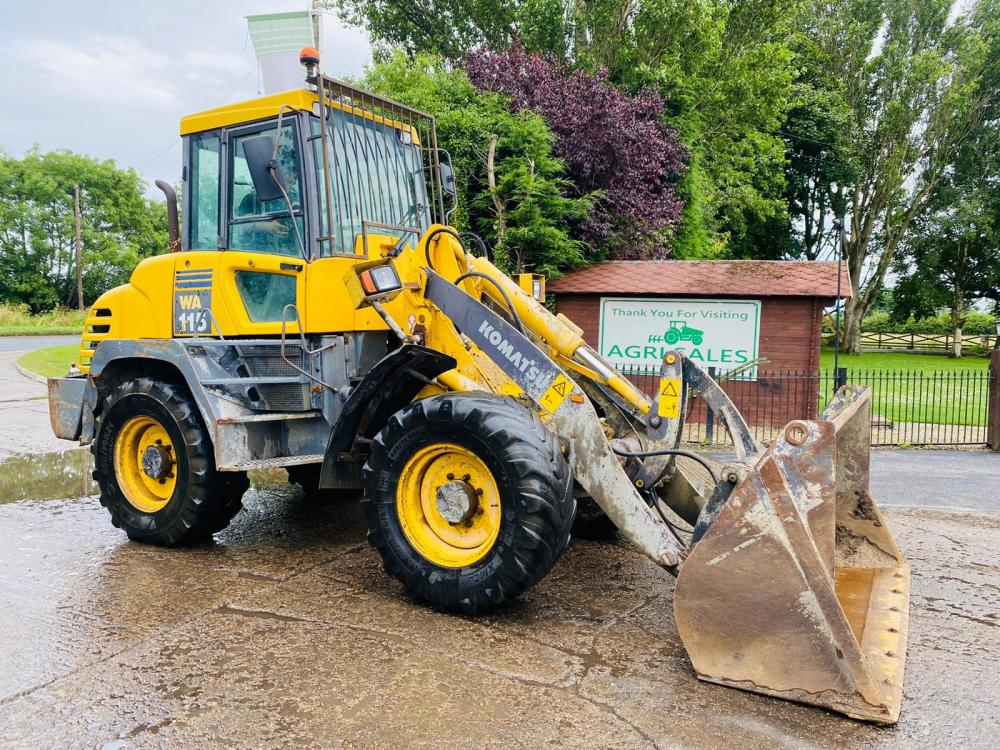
(710, 278)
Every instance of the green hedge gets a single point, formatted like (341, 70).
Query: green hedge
(975, 323)
(878, 322)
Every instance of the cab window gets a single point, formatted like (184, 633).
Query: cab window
(203, 186)
(265, 295)
(376, 175)
(265, 226)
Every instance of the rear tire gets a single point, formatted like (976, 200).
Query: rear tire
(501, 453)
(191, 501)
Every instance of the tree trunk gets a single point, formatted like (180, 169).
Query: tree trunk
(850, 326)
(491, 181)
(957, 308)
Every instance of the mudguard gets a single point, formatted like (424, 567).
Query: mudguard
(386, 388)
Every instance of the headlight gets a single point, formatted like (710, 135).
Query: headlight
(379, 280)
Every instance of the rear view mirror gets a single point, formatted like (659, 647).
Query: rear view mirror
(447, 174)
(259, 153)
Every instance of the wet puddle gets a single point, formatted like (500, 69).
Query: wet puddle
(64, 474)
(46, 476)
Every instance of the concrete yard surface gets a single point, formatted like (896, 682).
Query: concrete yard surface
(286, 633)
(24, 406)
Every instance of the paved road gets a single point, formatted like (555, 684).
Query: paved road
(24, 412)
(26, 343)
(933, 478)
(937, 478)
(286, 633)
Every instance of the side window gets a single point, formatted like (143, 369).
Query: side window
(265, 226)
(203, 183)
(265, 295)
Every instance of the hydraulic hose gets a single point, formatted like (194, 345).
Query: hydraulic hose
(432, 235)
(506, 298)
(669, 452)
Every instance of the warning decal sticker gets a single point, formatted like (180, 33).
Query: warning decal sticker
(670, 398)
(556, 393)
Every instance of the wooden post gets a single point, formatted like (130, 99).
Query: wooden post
(993, 412)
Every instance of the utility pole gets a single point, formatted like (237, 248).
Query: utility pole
(79, 249)
(839, 226)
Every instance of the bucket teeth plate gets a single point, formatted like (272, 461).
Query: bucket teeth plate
(797, 589)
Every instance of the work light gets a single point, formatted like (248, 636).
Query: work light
(379, 280)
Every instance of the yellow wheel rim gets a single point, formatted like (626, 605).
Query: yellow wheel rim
(145, 464)
(449, 505)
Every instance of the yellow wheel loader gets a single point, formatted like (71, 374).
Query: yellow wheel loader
(321, 315)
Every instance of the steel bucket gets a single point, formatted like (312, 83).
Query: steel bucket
(797, 589)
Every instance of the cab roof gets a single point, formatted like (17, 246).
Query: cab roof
(248, 111)
(264, 107)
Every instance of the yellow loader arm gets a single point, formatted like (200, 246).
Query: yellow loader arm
(791, 584)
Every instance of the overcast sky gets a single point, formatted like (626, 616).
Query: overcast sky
(112, 79)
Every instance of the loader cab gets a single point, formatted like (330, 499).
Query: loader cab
(380, 182)
(381, 176)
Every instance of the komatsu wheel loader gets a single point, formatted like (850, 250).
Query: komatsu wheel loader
(320, 314)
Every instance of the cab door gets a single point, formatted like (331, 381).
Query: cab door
(257, 289)
(262, 271)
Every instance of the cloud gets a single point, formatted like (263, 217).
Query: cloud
(101, 68)
(215, 61)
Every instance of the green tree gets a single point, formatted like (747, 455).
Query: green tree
(819, 168)
(511, 189)
(910, 75)
(724, 65)
(952, 258)
(37, 228)
(527, 200)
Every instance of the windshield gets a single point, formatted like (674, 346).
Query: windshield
(377, 176)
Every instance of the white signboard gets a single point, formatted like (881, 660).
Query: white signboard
(716, 333)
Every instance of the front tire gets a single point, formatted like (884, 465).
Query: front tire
(468, 500)
(154, 463)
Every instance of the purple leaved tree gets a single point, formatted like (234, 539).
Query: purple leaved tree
(611, 142)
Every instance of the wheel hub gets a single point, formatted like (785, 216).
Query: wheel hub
(448, 503)
(456, 501)
(157, 462)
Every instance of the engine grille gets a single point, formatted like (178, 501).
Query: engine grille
(286, 397)
(265, 361)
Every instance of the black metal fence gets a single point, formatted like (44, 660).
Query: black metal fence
(909, 407)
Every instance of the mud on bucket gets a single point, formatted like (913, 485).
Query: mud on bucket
(797, 590)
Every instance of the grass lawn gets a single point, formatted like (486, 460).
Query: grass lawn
(919, 387)
(39, 330)
(912, 362)
(50, 362)
(17, 320)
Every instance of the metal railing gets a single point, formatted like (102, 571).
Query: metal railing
(909, 407)
(382, 168)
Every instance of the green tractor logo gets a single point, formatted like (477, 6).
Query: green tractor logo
(681, 331)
